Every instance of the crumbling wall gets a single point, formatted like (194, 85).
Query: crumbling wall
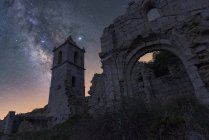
(151, 88)
(29, 122)
(169, 86)
(180, 27)
(9, 123)
(1, 126)
(173, 14)
(97, 99)
(202, 57)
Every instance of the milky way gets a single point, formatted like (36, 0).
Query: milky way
(30, 29)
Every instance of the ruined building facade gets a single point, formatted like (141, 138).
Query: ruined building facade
(180, 27)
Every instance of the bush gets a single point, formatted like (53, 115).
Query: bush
(134, 120)
(160, 62)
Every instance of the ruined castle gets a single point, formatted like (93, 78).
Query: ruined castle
(180, 27)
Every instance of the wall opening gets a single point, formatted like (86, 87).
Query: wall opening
(160, 75)
(76, 57)
(160, 62)
(73, 81)
(153, 14)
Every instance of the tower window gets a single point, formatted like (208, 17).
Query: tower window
(76, 58)
(73, 81)
(60, 57)
(153, 14)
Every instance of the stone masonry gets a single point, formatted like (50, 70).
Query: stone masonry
(152, 88)
(66, 98)
(178, 26)
(9, 122)
(67, 91)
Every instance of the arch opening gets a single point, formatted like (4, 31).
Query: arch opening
(159, 74)
(162, 62)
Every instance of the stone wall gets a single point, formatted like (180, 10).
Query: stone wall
(169, 86)
(97, 99)
(24, 123)
(1, 126)
(33, 121)
(173, 14)
(180, 27)
(146, 85)
(8, 123)
(202, 57)
(150, 87)
(29, 122)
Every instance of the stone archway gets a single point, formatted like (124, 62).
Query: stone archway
(183, 32)
(139, 50)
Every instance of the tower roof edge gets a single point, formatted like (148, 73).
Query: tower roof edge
(71, 42)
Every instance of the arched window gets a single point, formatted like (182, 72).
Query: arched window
(60, 57)
(76, 58)
(153, 14)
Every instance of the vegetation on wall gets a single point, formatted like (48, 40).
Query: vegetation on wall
(160, 62)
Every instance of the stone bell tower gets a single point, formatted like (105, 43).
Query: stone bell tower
(67, 89)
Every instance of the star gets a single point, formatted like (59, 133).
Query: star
(80, 38)
(43, 41)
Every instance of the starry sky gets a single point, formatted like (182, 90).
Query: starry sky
(30, 29)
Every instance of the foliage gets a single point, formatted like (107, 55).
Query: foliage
(160, 62)
(134, 120)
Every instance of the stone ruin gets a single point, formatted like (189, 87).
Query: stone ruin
(66, 97)
(67, 91)
(180, 27)
(28, 122)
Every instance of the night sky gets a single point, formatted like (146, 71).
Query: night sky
(30, 29)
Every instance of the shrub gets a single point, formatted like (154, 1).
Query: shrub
(134, 120)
